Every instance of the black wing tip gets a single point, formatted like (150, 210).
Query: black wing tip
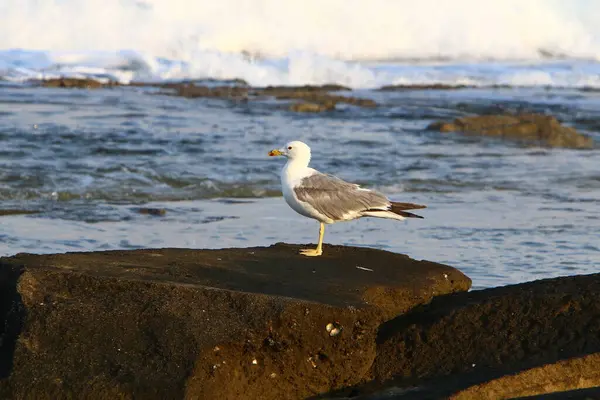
(409, 215)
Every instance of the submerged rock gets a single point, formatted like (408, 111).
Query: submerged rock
(316, 95)
(152, 211)
(437, 86)
(543, 129)
(275, 90)
(311, 98)
(226, 92)
(16, 212)
(311, 107)
(215, 324)
(85, 83)
(325, 98)
(424, 86)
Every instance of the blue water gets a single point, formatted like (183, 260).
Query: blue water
(502, 212)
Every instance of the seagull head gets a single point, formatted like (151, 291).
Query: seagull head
(293, 150)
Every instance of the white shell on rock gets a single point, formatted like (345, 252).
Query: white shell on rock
(333, 329)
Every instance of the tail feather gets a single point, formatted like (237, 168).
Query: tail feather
(399, 208)
(406, 206)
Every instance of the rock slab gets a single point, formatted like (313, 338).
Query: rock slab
(192, 324)
(466, 339)
(564, 376)
(536, 128)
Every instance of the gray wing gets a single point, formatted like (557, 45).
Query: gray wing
(335, 198)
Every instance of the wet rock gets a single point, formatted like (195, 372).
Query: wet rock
(76, 83)
(539, 128)
(16, 212)
(437, 86)
(211, 82)
(311, 107)
(226, 324)
(310, 98)
(225, 92)
(277, 90)
(466, 339)
(152, 211)
(314, 98)
(325, 98)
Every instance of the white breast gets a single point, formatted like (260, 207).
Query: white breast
(290, 178)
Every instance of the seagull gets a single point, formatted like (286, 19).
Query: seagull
(329, 199)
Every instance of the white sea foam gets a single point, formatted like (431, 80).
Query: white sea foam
(310, 41)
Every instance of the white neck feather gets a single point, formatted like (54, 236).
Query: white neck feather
(296, 167)
(300, 161)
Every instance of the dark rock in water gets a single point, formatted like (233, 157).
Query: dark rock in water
(437, 86)
(17, 212)
(209, 82)
(275, 90)
(543, 129)
(152, 211)
(312, 98)
(256, 323)
(226, 92)
(76, 83)
(466, 339)
(312, 107)
(324, 98)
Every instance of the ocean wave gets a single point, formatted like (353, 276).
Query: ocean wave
(357, 43)
(297, 69)
(340, 29)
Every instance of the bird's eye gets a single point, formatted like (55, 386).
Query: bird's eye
(289, 147)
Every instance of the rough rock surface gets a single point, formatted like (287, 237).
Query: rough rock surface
(567, 375)
(538, 128)
(465, 339)
(257, 323)
(579, 394)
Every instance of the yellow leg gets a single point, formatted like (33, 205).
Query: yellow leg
(319, 250)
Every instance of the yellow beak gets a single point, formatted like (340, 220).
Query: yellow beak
(275, 152)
